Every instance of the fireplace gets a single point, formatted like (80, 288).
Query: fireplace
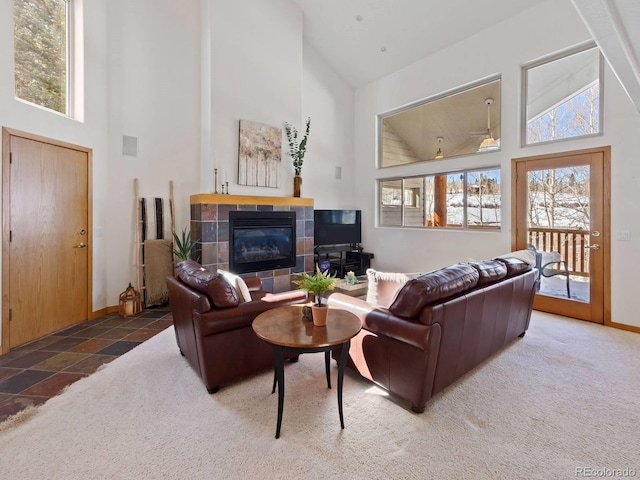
(261, 240)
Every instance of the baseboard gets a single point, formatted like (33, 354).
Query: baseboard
(104, 311)
(623, 326)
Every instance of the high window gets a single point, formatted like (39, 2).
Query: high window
(463, 121)
(44, 53)
(563, 96)
(463, 199)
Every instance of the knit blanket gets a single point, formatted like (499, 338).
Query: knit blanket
(158, 266)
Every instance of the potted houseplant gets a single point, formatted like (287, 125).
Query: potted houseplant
(316, 285)
(296, 152)
(183, 246)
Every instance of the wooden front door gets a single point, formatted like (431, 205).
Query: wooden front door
(46, 271)
(561, 208)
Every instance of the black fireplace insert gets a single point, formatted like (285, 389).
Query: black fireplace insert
(261, 240)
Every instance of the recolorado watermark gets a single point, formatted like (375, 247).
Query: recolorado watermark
(592, 472)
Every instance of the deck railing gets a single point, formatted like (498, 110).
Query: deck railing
(569, 243)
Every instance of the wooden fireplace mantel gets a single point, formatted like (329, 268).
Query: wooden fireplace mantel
(224, 199)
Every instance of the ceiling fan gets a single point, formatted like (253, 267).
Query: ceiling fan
(488, 144)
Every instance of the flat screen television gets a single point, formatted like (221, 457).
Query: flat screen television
(337, 227)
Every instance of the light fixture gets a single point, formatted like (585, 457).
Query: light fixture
(439, 154)
(489, 144)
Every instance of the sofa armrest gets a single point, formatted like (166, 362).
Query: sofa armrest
(224, 319)
(379, 320)
(298, 295)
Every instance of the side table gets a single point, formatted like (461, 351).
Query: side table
(284, 328)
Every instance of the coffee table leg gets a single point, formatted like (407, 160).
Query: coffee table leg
(327, 360)
(279, 370)
(341, 365)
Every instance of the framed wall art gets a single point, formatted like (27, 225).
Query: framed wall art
(259, 155)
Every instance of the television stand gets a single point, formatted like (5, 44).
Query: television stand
(343, 258)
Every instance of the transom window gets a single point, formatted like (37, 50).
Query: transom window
(44, 52)
(462, 199)
(563, 96)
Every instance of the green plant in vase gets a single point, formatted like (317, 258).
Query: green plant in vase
(316, 284)
(184, 246)
(297, 150)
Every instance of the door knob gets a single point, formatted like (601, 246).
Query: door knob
(595, 246)
(81, 245)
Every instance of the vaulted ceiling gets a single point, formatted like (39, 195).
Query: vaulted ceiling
(364, 40)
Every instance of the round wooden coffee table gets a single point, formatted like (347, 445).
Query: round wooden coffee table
(284, 328)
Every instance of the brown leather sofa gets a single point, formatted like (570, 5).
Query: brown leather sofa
(439, 325)
(213, 326)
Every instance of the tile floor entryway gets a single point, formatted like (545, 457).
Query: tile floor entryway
(37, 371)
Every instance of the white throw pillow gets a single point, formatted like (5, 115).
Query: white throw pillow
(237, 282)
(383, 286)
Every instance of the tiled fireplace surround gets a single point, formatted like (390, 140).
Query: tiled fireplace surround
(210, 227)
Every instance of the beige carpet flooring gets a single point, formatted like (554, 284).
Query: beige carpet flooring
(565, 397)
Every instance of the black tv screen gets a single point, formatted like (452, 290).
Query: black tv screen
(337, 227)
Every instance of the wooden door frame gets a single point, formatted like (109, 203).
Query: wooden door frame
(7, 133)
(606, 208)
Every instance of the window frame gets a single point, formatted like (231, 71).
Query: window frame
(583, 47)
(74, 77)
(464, 173)
(435, 134)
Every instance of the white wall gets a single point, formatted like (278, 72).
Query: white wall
(255, 74)
(154, 95)
(329, 101)
(90, 133)
(179, 76)
(502, 49)
(258, 68)
(142, 78)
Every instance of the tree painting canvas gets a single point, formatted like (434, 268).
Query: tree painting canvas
(259, 155)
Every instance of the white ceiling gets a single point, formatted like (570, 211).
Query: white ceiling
(409, 30)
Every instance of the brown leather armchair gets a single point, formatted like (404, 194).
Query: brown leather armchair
(213, 327)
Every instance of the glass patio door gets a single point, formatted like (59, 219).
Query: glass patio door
(561, 214)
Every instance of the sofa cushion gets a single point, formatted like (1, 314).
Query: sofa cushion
(514, 266)
(221, 293)
(432, 287)
(239, 284)
(383, 286)
(490, 271)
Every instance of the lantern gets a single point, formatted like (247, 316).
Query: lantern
(130, 304)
